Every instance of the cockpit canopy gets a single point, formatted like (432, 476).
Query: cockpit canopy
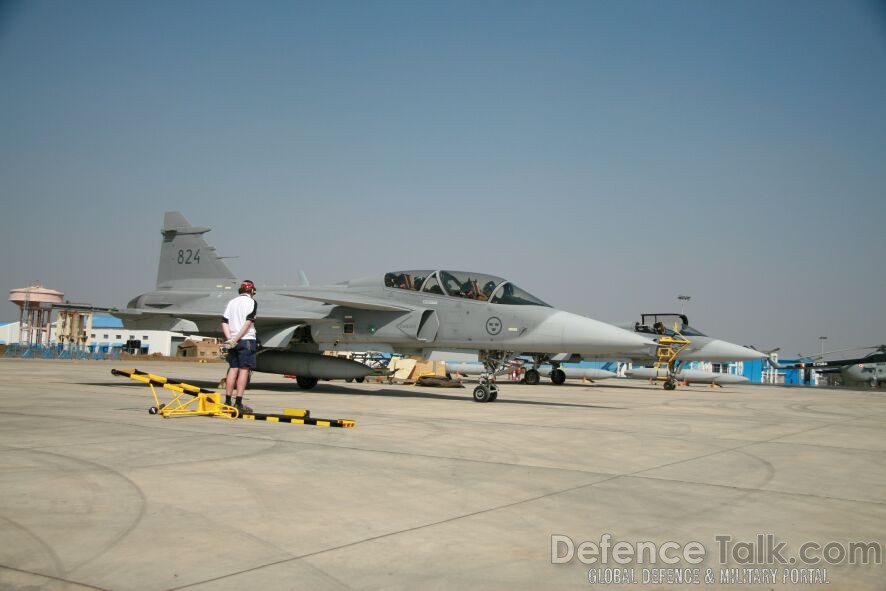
(460, 284)
(663, 324)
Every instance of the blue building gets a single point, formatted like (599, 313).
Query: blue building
(762, 372)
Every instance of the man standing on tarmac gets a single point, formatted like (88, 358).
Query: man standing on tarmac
(238, 327)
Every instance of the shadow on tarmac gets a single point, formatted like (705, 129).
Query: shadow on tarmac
(334, 389)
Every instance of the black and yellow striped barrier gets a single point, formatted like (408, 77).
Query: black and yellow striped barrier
(298, 417)
(205, 402)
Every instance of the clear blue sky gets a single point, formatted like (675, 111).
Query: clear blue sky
(606, 156)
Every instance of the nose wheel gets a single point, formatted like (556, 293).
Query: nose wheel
(493, 363)
(485, 393)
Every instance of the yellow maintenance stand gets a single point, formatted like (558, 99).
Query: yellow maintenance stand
(202, 402)
(669, 347)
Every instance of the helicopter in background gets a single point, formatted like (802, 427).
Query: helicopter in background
(869, 370)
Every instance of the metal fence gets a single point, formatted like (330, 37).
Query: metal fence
(60, 351)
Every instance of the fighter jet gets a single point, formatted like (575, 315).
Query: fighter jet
(655, 326)
(701, 346)
(433, 313)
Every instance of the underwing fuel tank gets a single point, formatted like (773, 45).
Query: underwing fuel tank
(572, 373)
(687, 375)
(311, 365)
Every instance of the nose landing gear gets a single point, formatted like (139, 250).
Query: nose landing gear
(486, 393)
(493, 362)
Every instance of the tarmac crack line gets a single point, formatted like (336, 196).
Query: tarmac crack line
(754, 490)
(636, 474)
(414, 419)
(748, 444)
(52, 578)
(191, 434)
(639, 473)
(608, 475)
(398, 532)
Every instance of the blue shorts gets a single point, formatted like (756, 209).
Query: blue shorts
(243, 355)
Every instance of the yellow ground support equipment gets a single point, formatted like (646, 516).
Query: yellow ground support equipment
(188, 400)
(203, 402)
(669, 347)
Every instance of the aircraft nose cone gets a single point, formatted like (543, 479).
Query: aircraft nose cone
(718, 350)
(587, 336)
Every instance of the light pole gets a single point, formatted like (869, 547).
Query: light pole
(683, 299)
(822, 340)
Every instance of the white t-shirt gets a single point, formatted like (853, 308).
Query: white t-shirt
(238, 311)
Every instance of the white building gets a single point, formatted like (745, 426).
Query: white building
(108, 332)
(9, 332)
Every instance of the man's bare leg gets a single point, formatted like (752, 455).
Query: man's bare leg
(230, 383)
(242, 378)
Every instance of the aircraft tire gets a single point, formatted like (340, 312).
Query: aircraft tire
(493, 396)
(305, 382)
(349, 380)
(360, 380)
(532, 377)
(558, 376)
(670, 385)
(482, 394)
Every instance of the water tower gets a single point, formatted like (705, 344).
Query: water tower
(35, 320)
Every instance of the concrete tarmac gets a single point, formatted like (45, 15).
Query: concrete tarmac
(434, 491)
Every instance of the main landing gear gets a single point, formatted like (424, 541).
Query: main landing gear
(532, 376)
(493, 363)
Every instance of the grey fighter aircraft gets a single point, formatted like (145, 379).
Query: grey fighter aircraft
(655, 326)
(701, 346)
(433, 313)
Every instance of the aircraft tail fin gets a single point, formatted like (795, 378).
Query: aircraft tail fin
(186, 260)
(772, 358)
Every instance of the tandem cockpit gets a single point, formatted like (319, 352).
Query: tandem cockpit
(663, 324)
(459, 284)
